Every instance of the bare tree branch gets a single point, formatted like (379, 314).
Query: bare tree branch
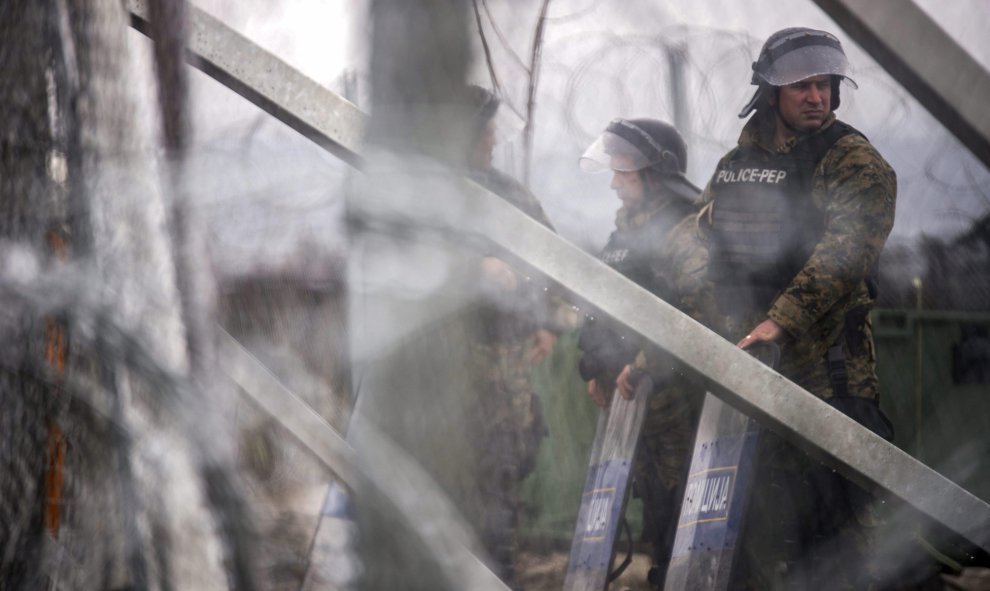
(501, 37)
(484, 45)
(534, 75)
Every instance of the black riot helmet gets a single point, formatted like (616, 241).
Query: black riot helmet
(484, 102)
(645, 145)
(794, 54)
(485, 106)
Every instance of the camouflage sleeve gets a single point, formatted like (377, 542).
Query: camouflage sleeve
(551, 312)
(858, 190)
(535, 300)
(555, 314)
(682, 260)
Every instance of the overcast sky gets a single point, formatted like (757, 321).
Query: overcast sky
(602, 60)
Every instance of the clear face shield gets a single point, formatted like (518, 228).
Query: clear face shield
(635, 150)
(806, 62)
(795, 57)
(613, 152)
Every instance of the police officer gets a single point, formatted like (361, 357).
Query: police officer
(796, 216)
(516, 328)
(486, 121)
(655, 244)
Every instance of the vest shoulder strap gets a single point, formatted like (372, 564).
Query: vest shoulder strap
(815, 147)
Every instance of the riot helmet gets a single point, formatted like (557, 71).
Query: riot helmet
(645, 145)
(484, 102)
(794, 54)
(486, 106)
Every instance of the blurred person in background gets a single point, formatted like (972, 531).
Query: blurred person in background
(656, 245)
(796, 216)
(518, 324)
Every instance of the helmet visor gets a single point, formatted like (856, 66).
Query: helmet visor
(613, 152)
(804, 62)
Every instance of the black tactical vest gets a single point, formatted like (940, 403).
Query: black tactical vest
(765, 224)
(607, 347)
(633, 251)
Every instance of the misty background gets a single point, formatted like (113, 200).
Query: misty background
(599, 60)
(166, 468)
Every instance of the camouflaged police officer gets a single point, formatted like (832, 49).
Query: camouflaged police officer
(796, 216)
(516, 327)
(655, 244)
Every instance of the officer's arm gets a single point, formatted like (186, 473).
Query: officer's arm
(682, 260)
(685, 256)
(860, 191)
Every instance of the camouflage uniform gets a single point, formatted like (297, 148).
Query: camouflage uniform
(659, 248)
(508, 423)
(668, 430)
(804, 524)
(854, 189)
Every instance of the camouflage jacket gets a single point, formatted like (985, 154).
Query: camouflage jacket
(638, 246)
(854, 191)
(660, 249)
(671, 264)
(515, 316)
(682, 258)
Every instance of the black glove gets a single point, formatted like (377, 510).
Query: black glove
(605, 350)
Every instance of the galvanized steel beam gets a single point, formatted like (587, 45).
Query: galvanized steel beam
(925, 60)
(404, 489)
(730, 373)
(280, 90)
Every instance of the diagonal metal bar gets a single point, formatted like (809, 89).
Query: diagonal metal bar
(280, 90)
(401, 485)
(730, 373)
(304, 423)
(925, 60)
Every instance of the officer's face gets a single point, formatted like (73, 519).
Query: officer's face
(804, 104)
(628, 186)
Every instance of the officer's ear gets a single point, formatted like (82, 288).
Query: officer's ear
(773, 95)
(651, 181)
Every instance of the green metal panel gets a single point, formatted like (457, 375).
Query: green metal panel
(552, 494)
(943, 424)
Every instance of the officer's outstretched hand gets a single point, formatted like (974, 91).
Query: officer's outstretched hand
(543, 342)
(768, 331)
(627, 382)
(600, 394)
